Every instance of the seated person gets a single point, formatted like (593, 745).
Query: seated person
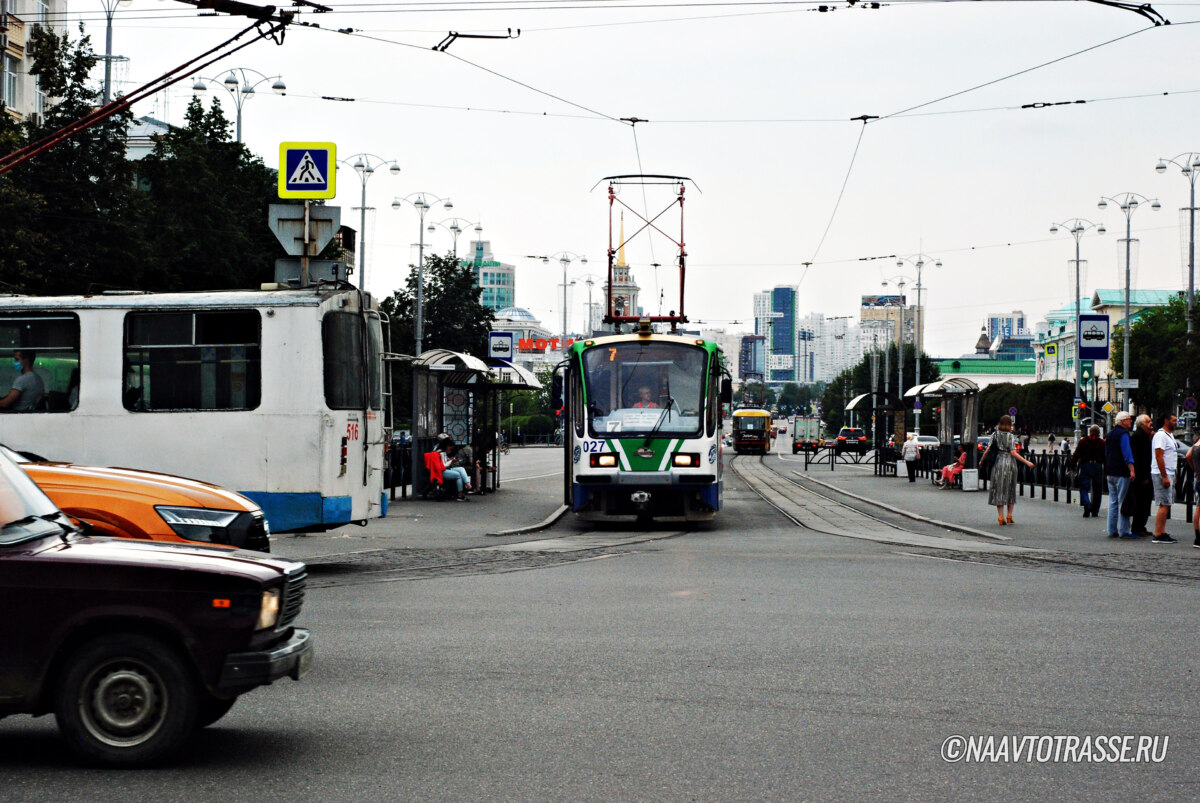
(27, 388)
(645, 400)
(954, 469)
(458, 474)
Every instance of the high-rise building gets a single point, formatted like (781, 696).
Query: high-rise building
(751, 356)
(775, 313)
(890, 308)
(1003, 324)
(496, 280)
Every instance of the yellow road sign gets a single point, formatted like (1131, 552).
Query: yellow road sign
(307, 169)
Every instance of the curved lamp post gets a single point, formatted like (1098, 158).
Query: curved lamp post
(364, 165)
(565, 258)
(238, 85)
(918, 261)
(110, 7)
(1076, 228)
(1128, 203)
(455, 225)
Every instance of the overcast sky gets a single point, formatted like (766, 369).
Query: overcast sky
(753, 101)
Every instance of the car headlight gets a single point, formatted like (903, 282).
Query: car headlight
(268, 612)
(198, 523)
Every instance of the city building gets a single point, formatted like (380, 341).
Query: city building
(890, 308)
(496, 279)
(532, 340)
(775, 317)
(23, 98)
(751, 356)
(625, 290)
(730, 343)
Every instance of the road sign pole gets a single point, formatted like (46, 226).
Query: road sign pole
(307, 244)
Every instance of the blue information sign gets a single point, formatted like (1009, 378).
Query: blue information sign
(1093, 337)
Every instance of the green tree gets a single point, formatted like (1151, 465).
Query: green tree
(1159, 355)
(857, 380)
(207, 216)
(72, 217)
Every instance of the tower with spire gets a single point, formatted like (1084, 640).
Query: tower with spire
(625, 289)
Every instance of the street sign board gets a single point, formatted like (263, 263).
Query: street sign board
(917, 404)
(1012, 410)
(500, 345)
(1108, 407)
(287, 221)
(1087, 369)
(1074, 412)
(1051, 350)
(1125, 384)
(1093, 337)
(1189, 404)
(307, 169)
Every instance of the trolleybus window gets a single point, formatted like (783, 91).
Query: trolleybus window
(53, 339)
(639, 388)
(342, 340)
(192, 361)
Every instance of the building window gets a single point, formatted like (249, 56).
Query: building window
(192, 361)
(11, 86)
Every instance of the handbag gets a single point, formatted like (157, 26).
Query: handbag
(989, 457)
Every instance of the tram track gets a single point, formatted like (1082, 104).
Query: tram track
(819, 513)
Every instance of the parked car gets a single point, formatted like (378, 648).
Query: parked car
(134, 645)
(124, 503)
(928, 442)
(851, 439)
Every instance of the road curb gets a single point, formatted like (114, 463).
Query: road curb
(549, 520)
(909, 514)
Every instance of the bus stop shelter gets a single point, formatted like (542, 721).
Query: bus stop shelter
(958, 399)
(459, 395)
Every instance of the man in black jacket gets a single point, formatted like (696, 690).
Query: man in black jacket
(1141, 492)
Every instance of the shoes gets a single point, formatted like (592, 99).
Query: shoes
(1001, 520)
(1113, 535)
(1143, 533)
(1010, 521)
(462, 498)
(1197, 544)
(1164, 539)
(1087, 513)
(1131, 536)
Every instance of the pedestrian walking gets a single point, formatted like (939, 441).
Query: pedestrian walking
(1050, 441)
(1088, 460)
(911, 452)
(1119, 471)
(1141, 492)
(1003, 490)
(1028, 439)
(1193, 458)
(1162, 476)
(1066, 446)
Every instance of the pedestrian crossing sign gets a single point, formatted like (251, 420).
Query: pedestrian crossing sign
(307, 169)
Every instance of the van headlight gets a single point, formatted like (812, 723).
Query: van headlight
(198, 523)
(268, 612)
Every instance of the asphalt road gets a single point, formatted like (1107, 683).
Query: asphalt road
(758, 657)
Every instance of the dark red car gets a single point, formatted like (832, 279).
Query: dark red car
(133, 645)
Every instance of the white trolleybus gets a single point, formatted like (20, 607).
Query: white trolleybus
(642, 410)
(276, 394)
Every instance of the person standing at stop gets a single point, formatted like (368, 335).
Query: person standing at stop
(1162, 476)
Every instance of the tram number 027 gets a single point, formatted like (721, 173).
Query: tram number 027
(593, 446)
(352, 431)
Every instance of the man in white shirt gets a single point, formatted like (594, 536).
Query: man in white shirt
(1162, 476)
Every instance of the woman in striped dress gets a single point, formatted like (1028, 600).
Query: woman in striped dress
(1003, 490)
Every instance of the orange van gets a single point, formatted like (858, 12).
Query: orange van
(125, 503)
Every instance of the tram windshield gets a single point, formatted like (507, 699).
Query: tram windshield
(644, 387)
(750, 422)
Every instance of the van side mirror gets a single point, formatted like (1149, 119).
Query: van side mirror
(556, 391)
(726, 390)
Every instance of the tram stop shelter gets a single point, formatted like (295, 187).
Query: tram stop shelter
(958, 399)
(872, 410)
(459, 395)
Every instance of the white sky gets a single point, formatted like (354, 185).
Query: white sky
(973, 180)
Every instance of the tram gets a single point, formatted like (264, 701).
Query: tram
(642, 410)
(276, 394)
(751, 430)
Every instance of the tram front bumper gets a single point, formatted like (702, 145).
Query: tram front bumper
(629, 492)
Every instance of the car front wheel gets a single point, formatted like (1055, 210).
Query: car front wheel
(126, 700)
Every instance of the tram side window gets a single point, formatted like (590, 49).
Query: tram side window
(207, 360)
(342, 344)
(52, 340)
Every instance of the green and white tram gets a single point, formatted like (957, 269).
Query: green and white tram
(642, 417)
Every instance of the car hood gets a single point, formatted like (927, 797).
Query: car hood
(158, 555)
(148, 486)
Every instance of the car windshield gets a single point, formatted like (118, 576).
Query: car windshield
(636, 388)
(22, 506)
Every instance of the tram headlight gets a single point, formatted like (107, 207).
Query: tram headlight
(685, 460)
(604, 460)
(198, 523)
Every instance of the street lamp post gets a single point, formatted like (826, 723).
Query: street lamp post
(918, 261)
(110, 7)
(238, 85)
(1190, 167)
(419, 202)
(364, 164)
(454, 225)
(1076, 227)
(565, 258)
(1128, 203)
(900, 281)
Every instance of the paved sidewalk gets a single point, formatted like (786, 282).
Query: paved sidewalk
(1043, 524)
(530, 491)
